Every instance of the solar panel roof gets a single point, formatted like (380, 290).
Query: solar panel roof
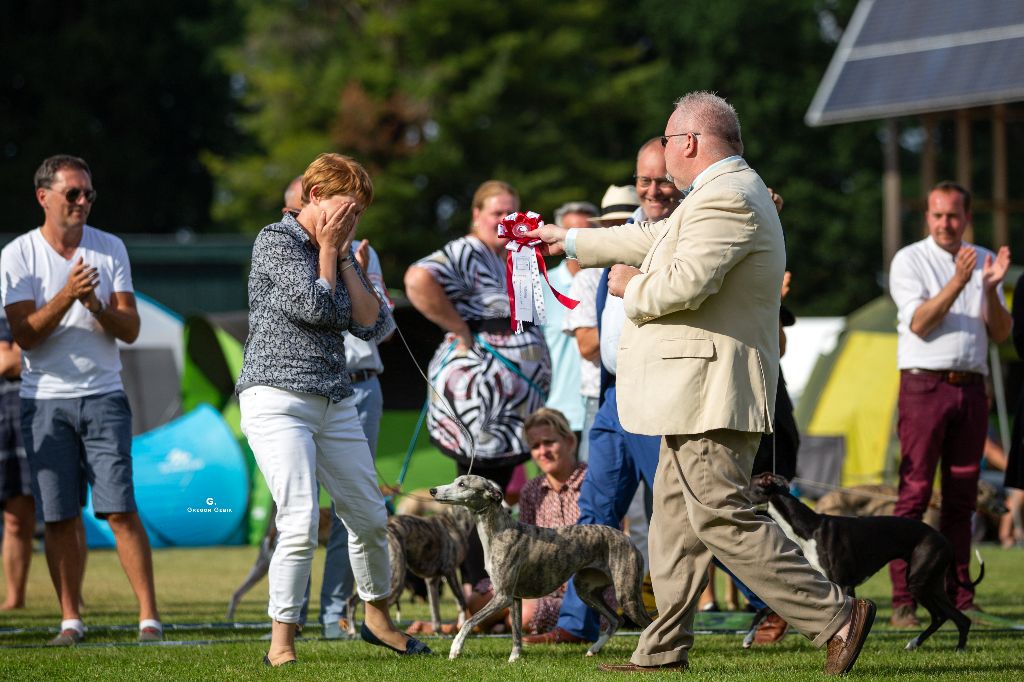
(903, 57)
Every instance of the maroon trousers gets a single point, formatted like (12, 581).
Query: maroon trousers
(940, 423)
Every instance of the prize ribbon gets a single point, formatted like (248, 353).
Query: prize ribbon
(524, 269)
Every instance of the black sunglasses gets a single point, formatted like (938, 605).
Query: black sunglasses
(664, 138)
(74, 193)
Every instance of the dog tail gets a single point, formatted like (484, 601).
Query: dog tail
(630, 586)
(969, 585)
(397, 555)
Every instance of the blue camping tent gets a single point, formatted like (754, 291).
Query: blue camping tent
(191, 484)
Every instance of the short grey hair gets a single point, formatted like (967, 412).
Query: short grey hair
(653, 143)
(711, 115)
(575, 207)
(48, 169)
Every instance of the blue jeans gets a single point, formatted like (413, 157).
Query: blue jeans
(618, 461)
(589, 414)
(337, 583)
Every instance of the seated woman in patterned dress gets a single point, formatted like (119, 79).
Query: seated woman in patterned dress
(490, 378)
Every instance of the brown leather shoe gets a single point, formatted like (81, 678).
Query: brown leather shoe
(556, 636)
(771, 630)
(679, 666)
(843, 654)
(904, 617)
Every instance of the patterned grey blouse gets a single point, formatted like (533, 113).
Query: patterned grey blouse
(295, 322)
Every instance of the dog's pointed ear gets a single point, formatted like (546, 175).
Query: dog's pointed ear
(494, 492)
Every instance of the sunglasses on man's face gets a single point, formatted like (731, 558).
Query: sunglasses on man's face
(73, 194)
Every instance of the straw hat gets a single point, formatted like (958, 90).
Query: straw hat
(617, 205)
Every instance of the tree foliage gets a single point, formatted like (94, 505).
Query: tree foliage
(436, 96)
(132, 87)
(199, 112)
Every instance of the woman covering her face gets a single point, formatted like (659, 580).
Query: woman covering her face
(298, 409)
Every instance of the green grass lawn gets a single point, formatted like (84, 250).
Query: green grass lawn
(194, 586)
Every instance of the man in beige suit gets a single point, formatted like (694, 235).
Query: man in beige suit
(700, 349)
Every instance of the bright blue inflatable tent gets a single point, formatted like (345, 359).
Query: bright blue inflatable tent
(191, 485)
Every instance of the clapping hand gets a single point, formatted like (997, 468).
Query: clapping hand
(994, 269)
(82, 283)
(363, 254)
(965, 260)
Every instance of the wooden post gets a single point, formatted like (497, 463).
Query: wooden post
(928, 178)
(891, 237)
(1000, 212)
(963, 158)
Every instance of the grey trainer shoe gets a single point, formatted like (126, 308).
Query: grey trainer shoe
(69, 637)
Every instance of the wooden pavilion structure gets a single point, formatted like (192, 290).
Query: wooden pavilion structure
(956, 59)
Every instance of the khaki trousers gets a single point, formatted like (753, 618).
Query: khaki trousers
(701, 509)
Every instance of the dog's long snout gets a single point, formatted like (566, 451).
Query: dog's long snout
(433, 492)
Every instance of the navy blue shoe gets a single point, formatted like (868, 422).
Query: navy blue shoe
(413, 646)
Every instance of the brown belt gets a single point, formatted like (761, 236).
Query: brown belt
(361, 375)
(950, 376)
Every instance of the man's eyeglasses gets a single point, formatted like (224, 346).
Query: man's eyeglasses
(664, 138)
(663, 183)
(73, 194)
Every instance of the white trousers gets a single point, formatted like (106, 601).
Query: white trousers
(299, 439)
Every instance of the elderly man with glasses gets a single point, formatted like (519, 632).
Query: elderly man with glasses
(699, 362)
(67, 290)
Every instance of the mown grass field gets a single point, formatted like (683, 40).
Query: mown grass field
(194, 586)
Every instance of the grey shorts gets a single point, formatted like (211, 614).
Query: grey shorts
(15, 475)
(71, 441)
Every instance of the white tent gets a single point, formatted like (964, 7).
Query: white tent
(151, 367)
(806, 340)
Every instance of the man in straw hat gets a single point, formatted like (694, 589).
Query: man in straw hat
(617, 206)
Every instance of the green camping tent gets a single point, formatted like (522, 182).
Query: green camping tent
(851, 396)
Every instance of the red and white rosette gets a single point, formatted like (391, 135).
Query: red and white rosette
(524, 269)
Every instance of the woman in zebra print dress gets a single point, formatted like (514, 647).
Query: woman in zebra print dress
(490, 377)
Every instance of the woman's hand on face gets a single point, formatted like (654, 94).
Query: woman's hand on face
(338, 227)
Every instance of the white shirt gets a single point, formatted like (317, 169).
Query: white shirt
(960, 341)
(564, 394)
(79, 358)
(584, 290)
(363, 355)
(613, 318)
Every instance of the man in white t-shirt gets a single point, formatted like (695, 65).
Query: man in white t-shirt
(67, 290)
(949, 301)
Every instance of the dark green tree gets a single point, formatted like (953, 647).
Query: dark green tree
(436, 96)
(134, 88)
(767, 59)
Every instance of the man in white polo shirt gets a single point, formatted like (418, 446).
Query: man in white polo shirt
(67, 289)
(950, 303)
